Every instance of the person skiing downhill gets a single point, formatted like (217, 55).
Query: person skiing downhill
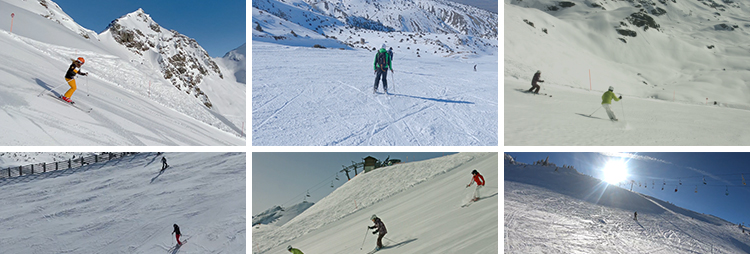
(479, 179)
(293, 250)
(381, 231)
(607, 102)
(534, 86)
(70, 78)
(177, 233)
(381, 66)
(635, 215)
(164, 164)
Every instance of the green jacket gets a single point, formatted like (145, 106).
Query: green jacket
(608, 96)
(296, 251)
(387, 60)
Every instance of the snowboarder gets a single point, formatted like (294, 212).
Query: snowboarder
(607, 102)
(70, 78)
(480, 183)
(534, 86)
(381, 66)
(177, 233)
(381, 231)
(293, 250)
(635, 215)
(164, 164)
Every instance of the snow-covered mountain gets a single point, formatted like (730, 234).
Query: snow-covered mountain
(419, 202)
(277, 216)
(11, 159)
(665, 57)
(132, 101)
(126, 206)
(235, 61)
(552, 209)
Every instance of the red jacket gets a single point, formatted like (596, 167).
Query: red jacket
(479, 179)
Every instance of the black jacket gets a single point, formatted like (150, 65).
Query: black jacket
(71, 74)
(176, 229)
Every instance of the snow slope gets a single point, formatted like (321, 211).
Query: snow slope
(133, 104)
(125, 206)
(419, 202)
(679, 60)
(300, 100)
(566, 212)
(278, 216)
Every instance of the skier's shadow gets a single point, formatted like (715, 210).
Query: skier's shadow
(401, 243)
(176, 249)
(46, 86)
(433, 99)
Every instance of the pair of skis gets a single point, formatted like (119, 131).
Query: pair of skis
(72, 104)
(177, 246)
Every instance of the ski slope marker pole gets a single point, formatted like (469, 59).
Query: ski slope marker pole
(12, 15)
(363, 240)
(589, 80)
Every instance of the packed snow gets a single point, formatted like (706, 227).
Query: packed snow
(127, 206)
(131, 102)
(419, 202)
(551, 209)
(680, 75)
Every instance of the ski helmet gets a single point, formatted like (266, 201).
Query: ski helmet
(289, 248)
(474, 172)
(611, 88)
(373, 217)
(382, 46)
(538, 71)
(80, 59)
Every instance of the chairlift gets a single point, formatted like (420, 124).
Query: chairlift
(675, 189)
(652, 184)
(696, 189)
(727, 191)
(680, 181)
(743, 179)
(704, 179)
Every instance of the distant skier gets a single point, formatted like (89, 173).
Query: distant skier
(607, 102)
(479, 179)
(390, 55)
(70, 78)
(381, 231)
(381, 66)
(177, 234)
(534, 86)
(293, 250)
(635, 215)
(164, 164)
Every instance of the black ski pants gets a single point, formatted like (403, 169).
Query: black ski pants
(380, 240)
(534, 88)
(381, 73)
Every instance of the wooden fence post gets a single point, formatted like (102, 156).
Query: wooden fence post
(70, 162)
(44, 167)
(20, 173)
(32, 169)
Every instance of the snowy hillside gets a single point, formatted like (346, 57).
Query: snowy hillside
(665, 57)
(126, 206)
(419, 202)
(131, 101)
(277, 216)
(11, 159)
(567, 212)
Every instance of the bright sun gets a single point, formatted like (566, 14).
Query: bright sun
(615, 171)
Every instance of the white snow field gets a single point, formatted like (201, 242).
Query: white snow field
(126, 206)
(669, 76)
(310, 96)
(132, 103)
(419, 203)
(567, 212)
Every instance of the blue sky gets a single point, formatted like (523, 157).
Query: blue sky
(722, 172)
(218, 26)
(284, 178)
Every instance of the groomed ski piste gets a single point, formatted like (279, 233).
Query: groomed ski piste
(669, 77)
(567, 212)
(132, 104)
(419, 203)
(303, 95)
(126, 206)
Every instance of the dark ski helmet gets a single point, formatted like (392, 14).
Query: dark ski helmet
(474, 172)
(373, 217)
(289, 248)
(538, 71)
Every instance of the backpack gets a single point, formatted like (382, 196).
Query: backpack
(383, 61)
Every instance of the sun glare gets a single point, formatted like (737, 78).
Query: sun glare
(615, 171)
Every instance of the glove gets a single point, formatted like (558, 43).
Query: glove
(620, 97)
(375, 232)
(84, 73)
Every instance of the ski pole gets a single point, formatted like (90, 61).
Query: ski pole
(363, 240)
(40, 94)
(597, 109)
(623, 109)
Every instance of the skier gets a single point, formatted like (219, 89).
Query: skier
(534, 86)
(480, 183)
(381, 231)
(635, 215)
(381, 66)
(390, 55)
(164, 164)
(607, 102)
(70, 78)
(177, 234)
(293, 250)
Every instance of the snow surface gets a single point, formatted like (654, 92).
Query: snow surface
(567, 212)
(666, 75)
(278, 216)
(126, 206)
(133, 104)
(419, 202)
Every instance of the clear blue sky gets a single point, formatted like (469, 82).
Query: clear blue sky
(721, 170)
(284, 178)
(218, 26)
